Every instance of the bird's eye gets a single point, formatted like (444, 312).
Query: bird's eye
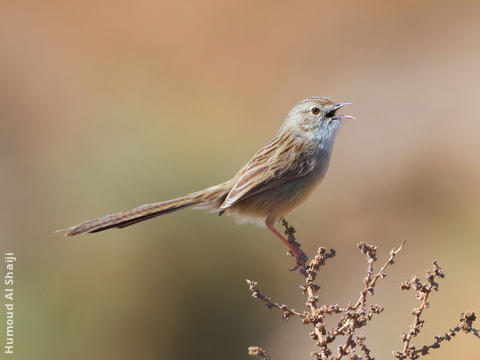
(315, 110)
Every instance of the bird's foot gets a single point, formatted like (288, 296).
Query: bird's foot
(301, 260)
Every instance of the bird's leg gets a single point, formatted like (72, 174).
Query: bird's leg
(300, 256)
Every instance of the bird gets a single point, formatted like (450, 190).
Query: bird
(278, 178)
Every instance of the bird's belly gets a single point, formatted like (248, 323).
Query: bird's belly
(277, 202)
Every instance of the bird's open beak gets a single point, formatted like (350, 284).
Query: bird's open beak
(340, 117)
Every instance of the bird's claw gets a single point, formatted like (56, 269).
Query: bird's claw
(301, 259)
(295, 267)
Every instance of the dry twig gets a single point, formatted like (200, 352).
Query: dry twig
(258, 351)
(423, 292)
(360, 313)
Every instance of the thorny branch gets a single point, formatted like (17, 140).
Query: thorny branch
(465, 325)
(423, 292)
(287, 312)
(258, 351)
(359, 314)
(371, 252)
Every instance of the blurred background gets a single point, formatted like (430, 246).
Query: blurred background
(108, 105)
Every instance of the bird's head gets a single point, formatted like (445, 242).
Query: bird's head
(315, 116)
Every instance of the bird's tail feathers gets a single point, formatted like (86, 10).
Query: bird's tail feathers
(208, 199)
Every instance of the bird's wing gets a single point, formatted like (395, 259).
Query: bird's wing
(283, 159)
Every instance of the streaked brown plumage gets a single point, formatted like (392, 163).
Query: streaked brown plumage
(277, 179)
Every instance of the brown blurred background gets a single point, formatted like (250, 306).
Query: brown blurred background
(108, 105)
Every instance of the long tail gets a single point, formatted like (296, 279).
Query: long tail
(208, 199)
